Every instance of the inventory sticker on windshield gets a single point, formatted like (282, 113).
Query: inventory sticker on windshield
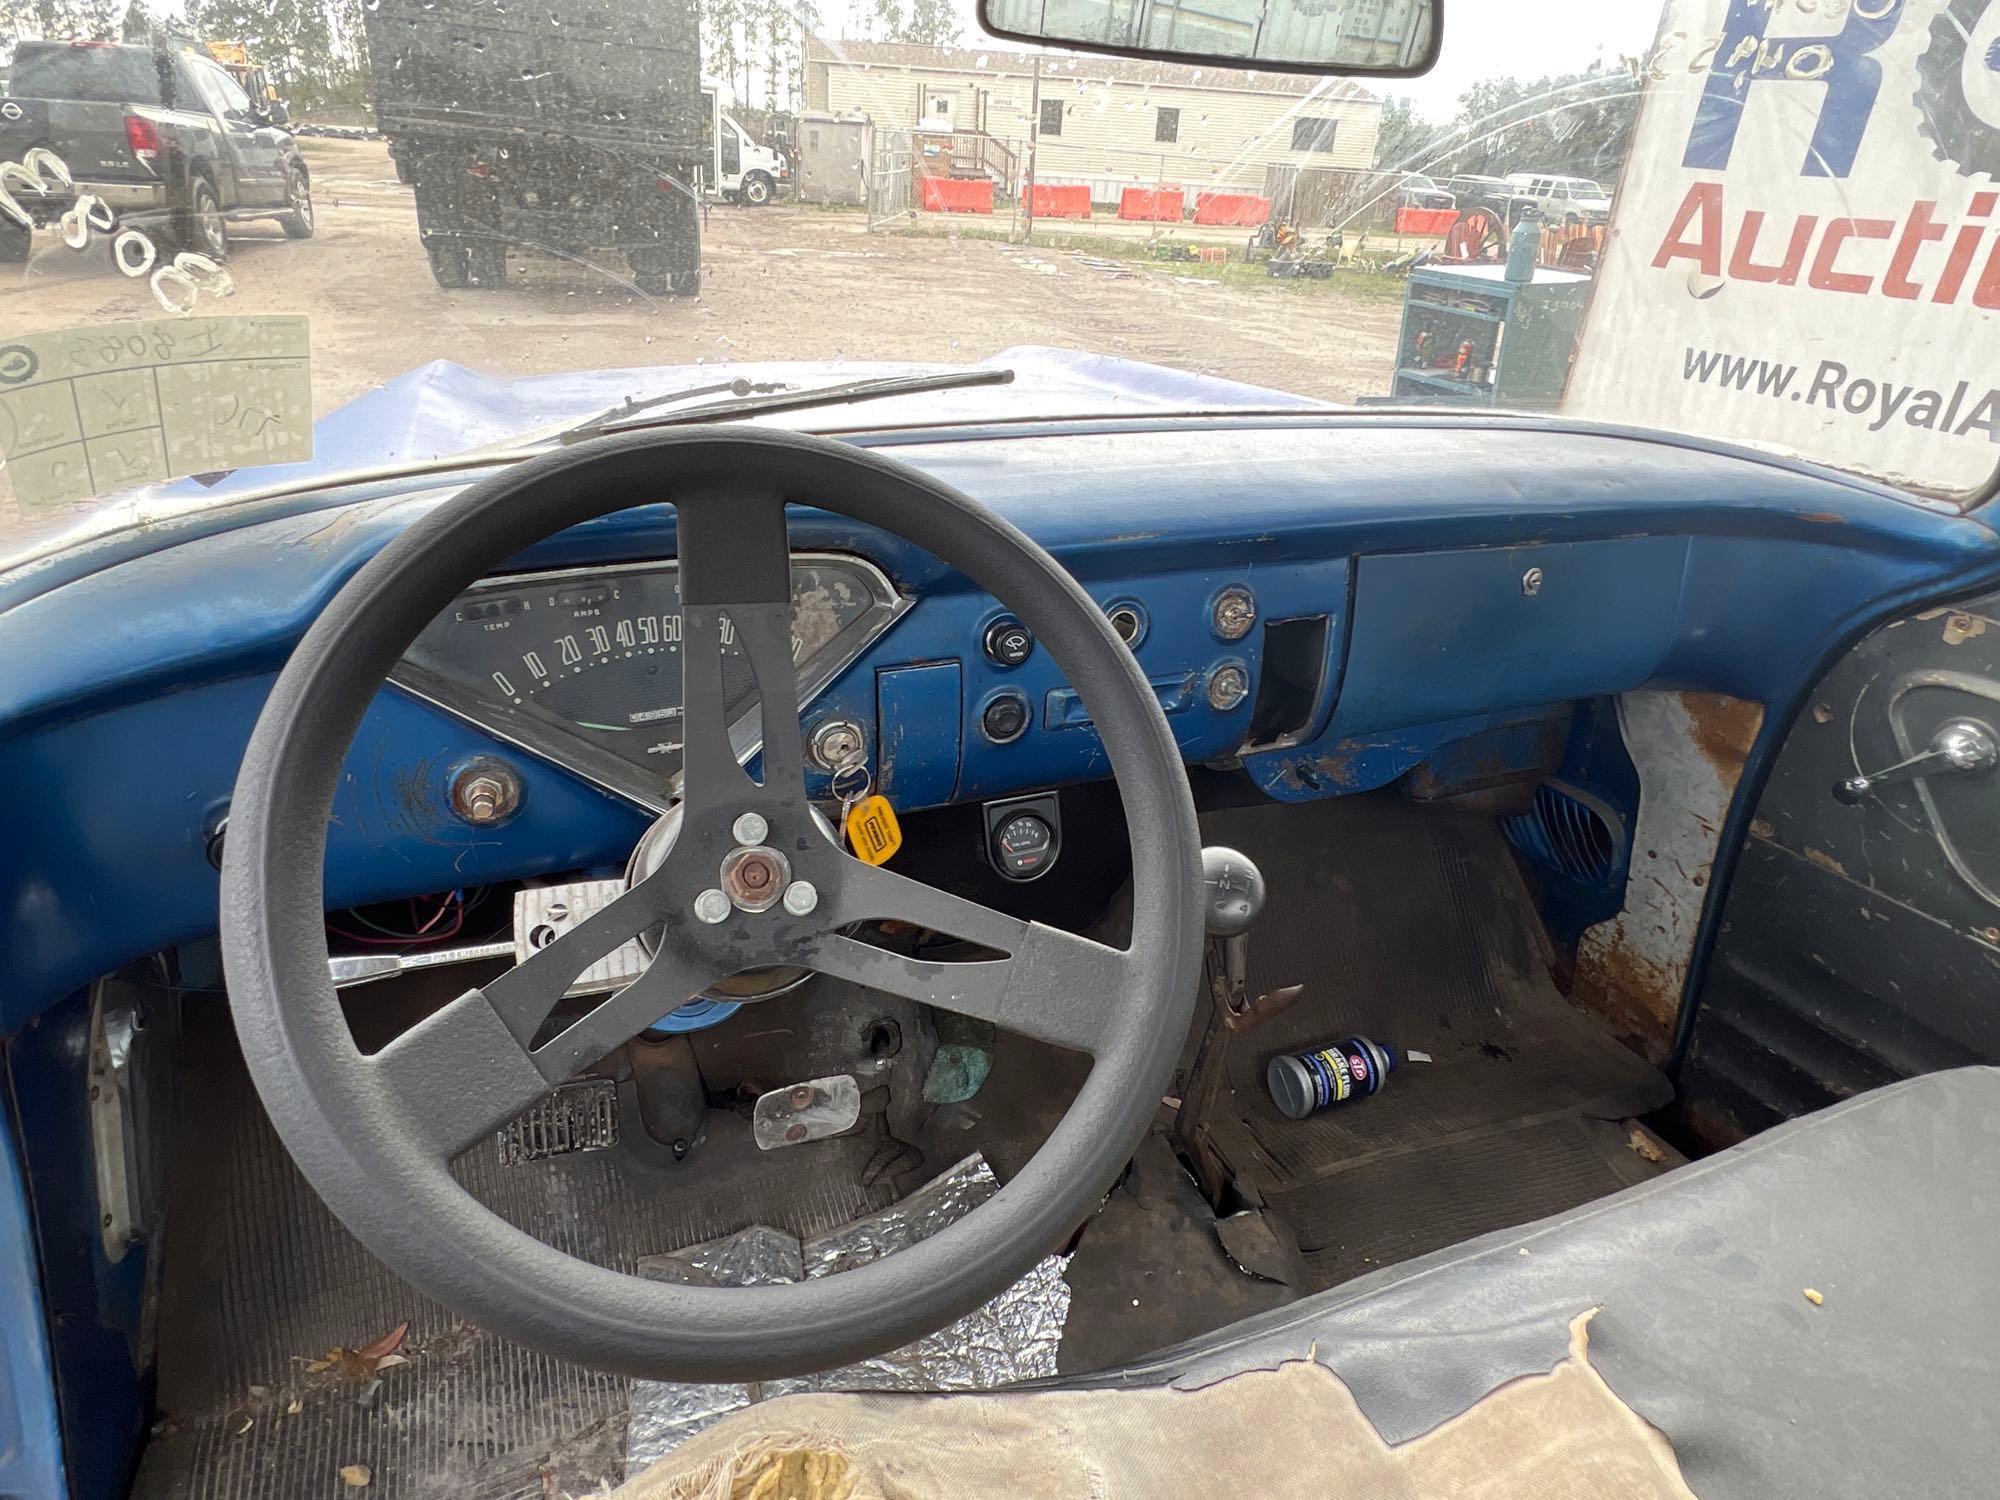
(94, 410)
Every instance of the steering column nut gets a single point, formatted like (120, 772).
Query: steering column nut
(755, 879)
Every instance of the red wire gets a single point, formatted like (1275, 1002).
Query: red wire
(373, 942)
(422, 935)
(443, 906)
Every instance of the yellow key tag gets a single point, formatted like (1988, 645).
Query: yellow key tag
(872, 830)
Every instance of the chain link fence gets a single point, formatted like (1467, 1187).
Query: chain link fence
(891, 177)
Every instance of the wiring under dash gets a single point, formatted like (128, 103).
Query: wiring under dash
(443, 918)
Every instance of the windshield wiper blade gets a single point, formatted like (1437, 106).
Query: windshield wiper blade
(757, 405)
(633, 405)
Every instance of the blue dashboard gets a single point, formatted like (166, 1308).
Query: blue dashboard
(1418, 583)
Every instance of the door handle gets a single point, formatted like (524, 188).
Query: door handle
(1959, 746)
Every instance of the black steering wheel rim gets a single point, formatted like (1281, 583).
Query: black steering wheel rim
(356, 1141)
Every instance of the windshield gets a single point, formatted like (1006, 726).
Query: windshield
(245, 248)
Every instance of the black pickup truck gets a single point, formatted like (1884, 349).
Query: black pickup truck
(160, 133)
(569, 128)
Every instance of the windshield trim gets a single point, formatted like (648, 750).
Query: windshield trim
(88, 532)
(66, 559)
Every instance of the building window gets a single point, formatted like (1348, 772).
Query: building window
(1052, 113)
(1313, 135)
(1167, 125)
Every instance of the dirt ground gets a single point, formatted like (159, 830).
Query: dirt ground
(777, 283)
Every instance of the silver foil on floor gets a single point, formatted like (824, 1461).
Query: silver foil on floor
(1014, 1337)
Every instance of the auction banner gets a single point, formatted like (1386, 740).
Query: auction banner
(1805, 249)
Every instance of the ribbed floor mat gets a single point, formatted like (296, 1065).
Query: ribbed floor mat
(1410, 926)
(267, 1281)
(1377, 1213)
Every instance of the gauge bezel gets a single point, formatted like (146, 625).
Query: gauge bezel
(1046, 808)
(543, 734)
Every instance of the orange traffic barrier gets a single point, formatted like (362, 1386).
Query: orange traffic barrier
(1049, 202)
(1425, 220)
(1245, 209)
(956, 195)
(1163, 205)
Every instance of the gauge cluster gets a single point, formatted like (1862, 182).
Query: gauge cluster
(584, 665)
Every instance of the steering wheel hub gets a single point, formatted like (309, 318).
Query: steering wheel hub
(754, 880)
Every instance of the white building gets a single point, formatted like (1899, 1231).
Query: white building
(1110, 122)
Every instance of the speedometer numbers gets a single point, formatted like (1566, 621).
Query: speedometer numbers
(594, 657)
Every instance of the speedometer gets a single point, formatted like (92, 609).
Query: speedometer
(584, 665)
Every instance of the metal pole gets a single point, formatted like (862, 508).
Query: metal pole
(1034, 134)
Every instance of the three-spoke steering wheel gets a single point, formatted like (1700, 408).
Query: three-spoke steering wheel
(375, 1133)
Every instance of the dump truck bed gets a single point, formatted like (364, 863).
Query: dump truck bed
(623, 73)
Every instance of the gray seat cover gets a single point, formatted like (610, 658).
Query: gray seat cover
(1887, 1205)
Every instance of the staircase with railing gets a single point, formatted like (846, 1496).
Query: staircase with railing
(974, 154)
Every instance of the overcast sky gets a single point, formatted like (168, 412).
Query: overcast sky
(1482, 39)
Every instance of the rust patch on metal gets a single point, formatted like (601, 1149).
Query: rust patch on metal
(1690, 750)
(1724, 730)
(1334, 768)
(1636, 996)
(1823, 517)
(1337, 764)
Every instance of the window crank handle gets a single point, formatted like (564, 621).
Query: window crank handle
(1959, 745)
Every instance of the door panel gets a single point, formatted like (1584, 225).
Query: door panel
(1860, 942)
(255, 153)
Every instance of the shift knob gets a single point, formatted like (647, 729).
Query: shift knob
(1235, 890)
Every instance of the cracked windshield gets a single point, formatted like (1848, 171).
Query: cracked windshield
(247, 246)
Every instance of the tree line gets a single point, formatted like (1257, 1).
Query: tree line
(1574, 124)
(316, 51)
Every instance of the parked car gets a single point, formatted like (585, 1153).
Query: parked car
(161, 134)
(1470, 186)
(1419, 191)
(1557, 198)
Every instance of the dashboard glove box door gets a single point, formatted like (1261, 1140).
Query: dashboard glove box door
(918, 714)
(1439, 634)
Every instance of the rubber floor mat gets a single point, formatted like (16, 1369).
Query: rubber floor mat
(1410, 925)
(261, 1282)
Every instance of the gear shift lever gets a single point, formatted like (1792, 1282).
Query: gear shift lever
(1236, 892)
(1235, 888)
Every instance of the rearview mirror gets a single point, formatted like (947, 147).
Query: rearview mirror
(1389, 38)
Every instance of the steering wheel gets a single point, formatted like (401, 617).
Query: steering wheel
(375, 1133)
